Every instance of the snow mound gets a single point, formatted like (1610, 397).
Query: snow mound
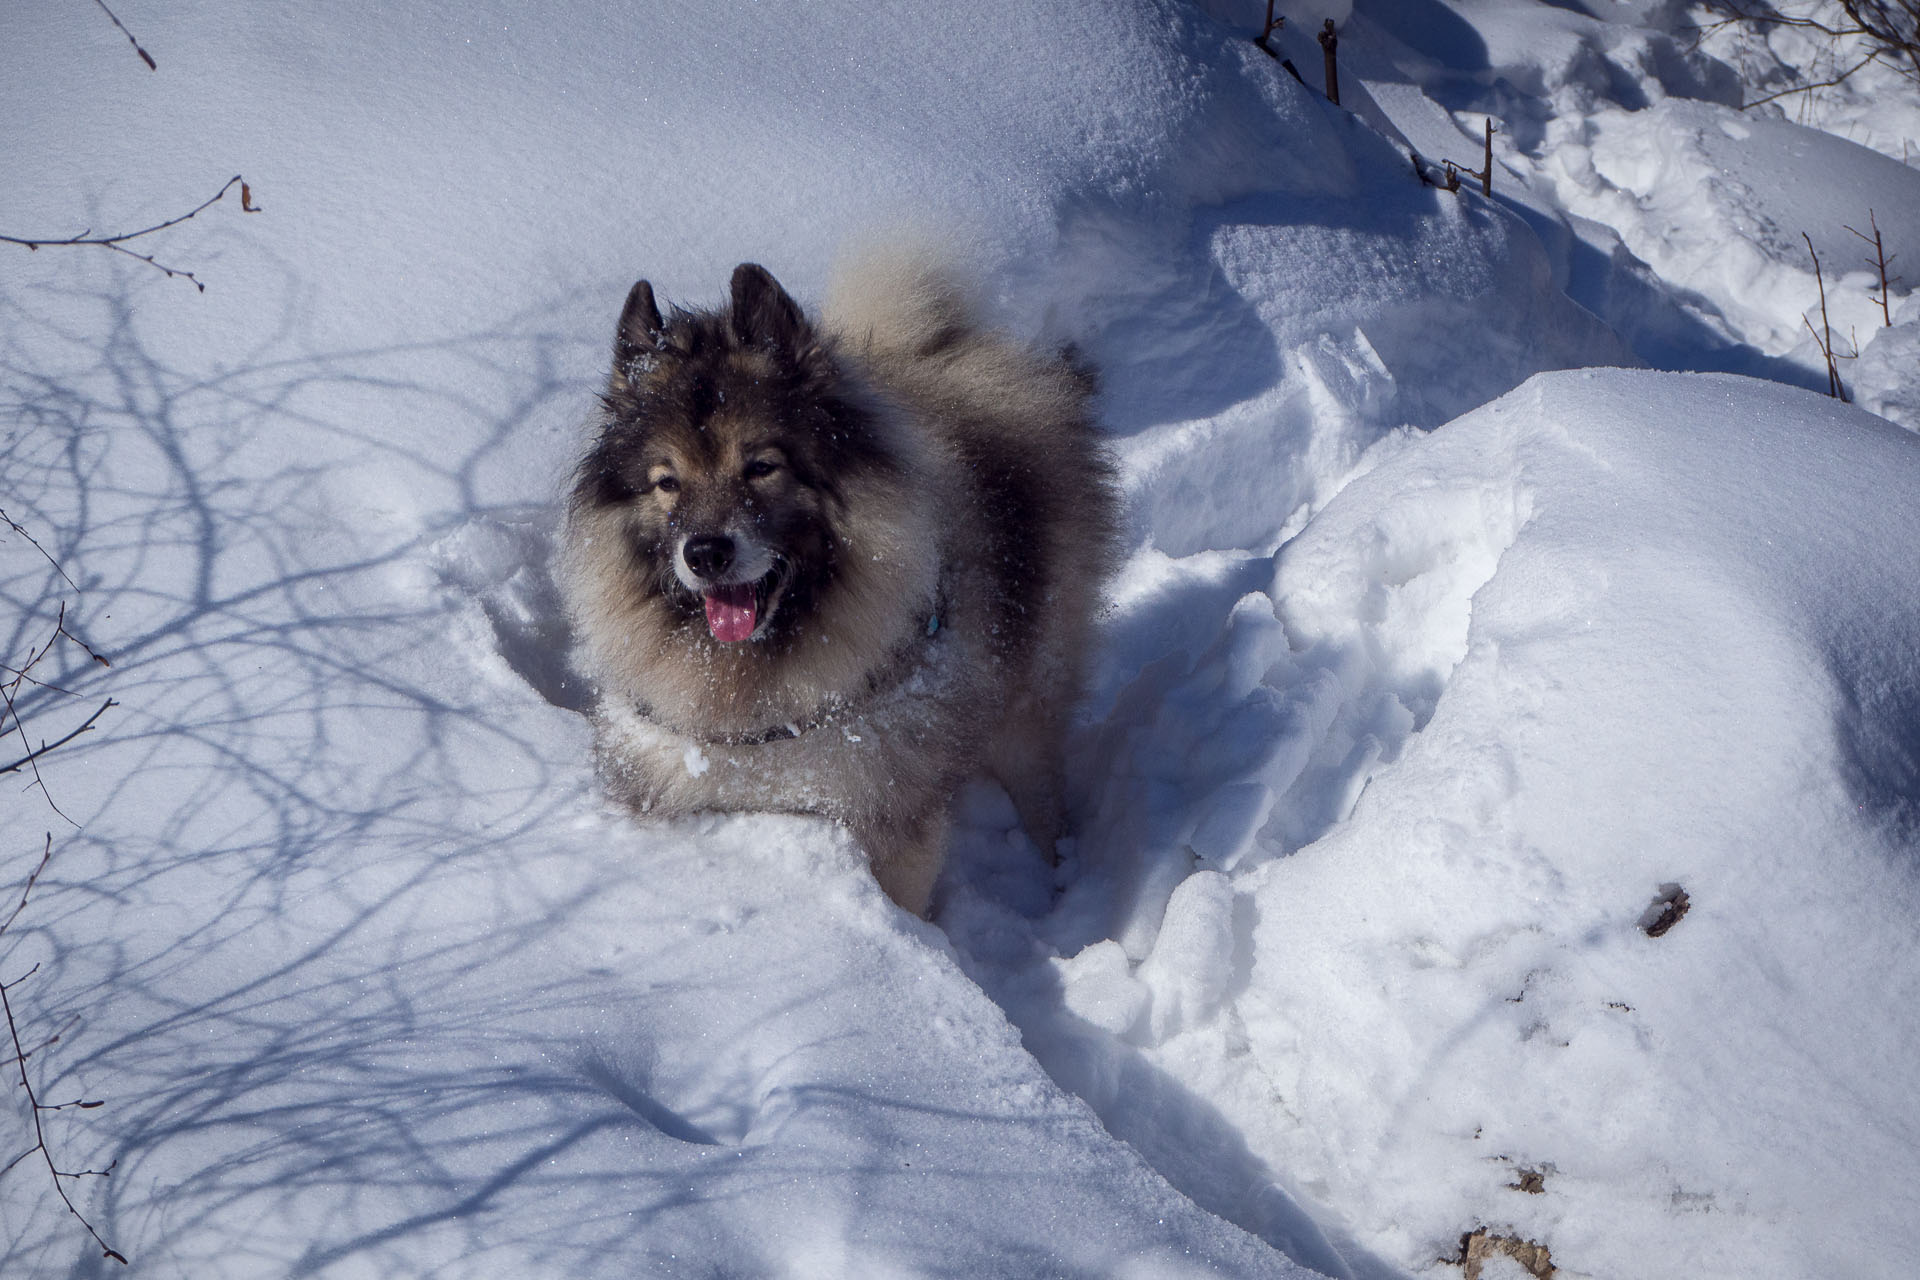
(1618, 645)
(1717, 201)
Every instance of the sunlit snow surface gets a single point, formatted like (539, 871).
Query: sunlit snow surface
(1399, 729)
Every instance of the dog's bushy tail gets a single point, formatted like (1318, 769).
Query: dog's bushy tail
(909, 318)
(900, 299)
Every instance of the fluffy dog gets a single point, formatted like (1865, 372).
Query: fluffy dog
(838, 567)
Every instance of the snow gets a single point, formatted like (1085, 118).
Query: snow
(1450, 644)
(1452, 984)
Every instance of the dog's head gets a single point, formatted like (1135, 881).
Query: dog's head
(728, 441)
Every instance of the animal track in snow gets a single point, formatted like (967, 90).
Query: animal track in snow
(505, 566)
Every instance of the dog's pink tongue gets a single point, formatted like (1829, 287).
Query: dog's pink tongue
(732, 612)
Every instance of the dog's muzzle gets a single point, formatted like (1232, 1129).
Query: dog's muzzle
(738, 585)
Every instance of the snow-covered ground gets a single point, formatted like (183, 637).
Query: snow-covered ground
(1455, 643)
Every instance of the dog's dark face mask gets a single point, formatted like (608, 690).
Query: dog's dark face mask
(727, 443)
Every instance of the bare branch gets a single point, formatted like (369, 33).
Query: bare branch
(1890, 29)
(1273, 24)
(118, 243)
(34, 1108)
(1329, 43)
(1817, 84)
(18, 528)
(9, 691)
(1879, 260)
(57, 743)
(1824, 337)
(46, 856)
(60, 628)
(144, 55)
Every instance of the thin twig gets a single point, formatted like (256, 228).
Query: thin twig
(34, 1107)
(1824, 339)
(57, 743)
(118, 243)
(1273, 24)
(46, 856)
(51, 1040)
(1809, 88)
(60, 628)
(1879, 260)
(9, 692)
(18, 528)
(1329, 42)
(144, 55)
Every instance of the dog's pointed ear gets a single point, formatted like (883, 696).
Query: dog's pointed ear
(640, 334)
(763, 315)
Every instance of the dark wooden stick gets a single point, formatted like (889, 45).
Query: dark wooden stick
(1329, 39)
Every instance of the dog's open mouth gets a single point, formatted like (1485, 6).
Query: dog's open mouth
(739, 611)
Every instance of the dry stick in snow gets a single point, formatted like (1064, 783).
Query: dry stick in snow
(1484, 172)
(1453, 170)
(118, 243)
(1824, 338)
(1273, 24)
(1329, 39)
(1879, 261)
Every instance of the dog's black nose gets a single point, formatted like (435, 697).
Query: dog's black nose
(708, 556)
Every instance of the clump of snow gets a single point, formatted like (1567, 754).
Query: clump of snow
(1883, 380)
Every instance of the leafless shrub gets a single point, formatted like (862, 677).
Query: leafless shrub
(1883, 31)
(14, 723)
(1880, 262)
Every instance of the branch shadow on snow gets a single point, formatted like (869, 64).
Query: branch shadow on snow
(309, 940)
(208, 927)
(220, 937)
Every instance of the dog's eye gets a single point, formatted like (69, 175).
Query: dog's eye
(666, 484)
(760, 468)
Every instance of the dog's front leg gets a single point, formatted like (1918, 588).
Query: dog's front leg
(906, 856)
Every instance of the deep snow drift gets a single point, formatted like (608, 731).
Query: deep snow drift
(1607, 655)
(1398, 736)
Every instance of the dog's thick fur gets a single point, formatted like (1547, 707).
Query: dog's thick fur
(838, 568)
